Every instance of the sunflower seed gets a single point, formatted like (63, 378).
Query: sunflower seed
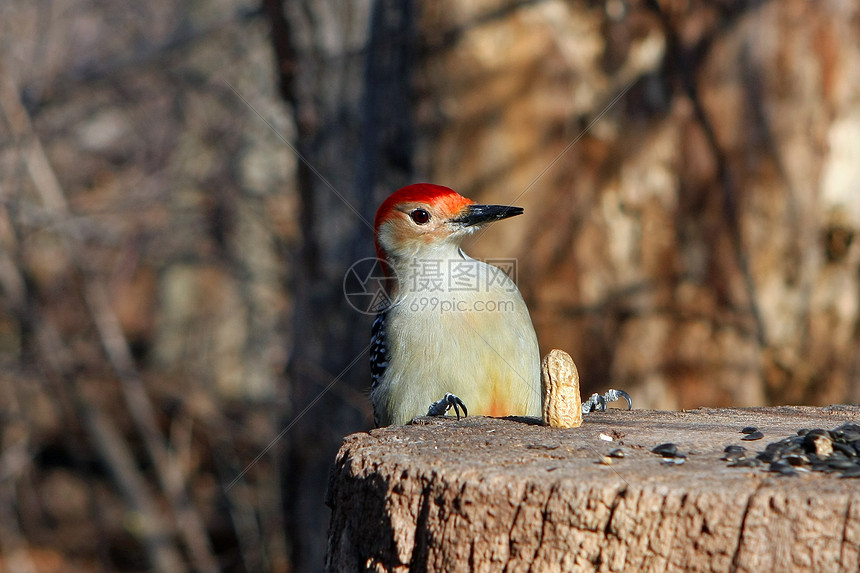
(668, 450)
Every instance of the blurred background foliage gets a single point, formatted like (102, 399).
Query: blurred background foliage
(178, 363)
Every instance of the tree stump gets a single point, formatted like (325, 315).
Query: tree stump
(485, 494)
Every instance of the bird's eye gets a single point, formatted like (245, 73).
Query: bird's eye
(420, 216)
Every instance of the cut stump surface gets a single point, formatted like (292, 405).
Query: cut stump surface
(485, 494)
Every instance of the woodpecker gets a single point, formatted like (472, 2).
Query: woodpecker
(457, 331)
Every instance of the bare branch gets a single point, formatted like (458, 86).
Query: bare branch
(190, 525)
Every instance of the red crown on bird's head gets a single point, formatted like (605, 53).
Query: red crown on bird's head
(439, 196)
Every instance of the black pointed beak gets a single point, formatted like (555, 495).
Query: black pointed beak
(479, 214)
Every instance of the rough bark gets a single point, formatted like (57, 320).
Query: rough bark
(486, 494)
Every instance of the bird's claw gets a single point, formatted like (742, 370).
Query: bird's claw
(597, 403)
(441, 407)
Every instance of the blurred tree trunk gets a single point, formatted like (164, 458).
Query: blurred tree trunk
(690, 183)
(345, 71)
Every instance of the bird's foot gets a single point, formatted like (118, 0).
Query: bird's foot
(441, 407)
(597, 403)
